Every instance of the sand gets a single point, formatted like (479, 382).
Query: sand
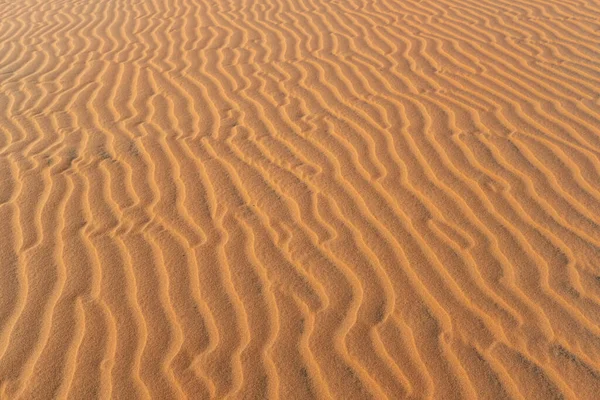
(300, 199)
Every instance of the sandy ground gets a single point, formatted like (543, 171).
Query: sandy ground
(300, 199)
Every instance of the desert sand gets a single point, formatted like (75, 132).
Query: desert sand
(297, 199)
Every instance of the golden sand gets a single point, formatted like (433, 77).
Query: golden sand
(300, 199)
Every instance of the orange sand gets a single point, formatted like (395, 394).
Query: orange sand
(299, 199)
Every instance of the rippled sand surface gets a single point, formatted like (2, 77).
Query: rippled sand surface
(300, 199)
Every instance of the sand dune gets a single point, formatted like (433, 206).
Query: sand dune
(300, 199)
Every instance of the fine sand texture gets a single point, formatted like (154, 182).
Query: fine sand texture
(297, 199)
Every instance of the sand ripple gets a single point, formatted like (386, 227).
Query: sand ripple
(300, 199)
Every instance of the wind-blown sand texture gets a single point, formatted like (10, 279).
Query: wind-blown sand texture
(300, 199)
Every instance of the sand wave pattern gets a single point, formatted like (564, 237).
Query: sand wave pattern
(300, 199)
